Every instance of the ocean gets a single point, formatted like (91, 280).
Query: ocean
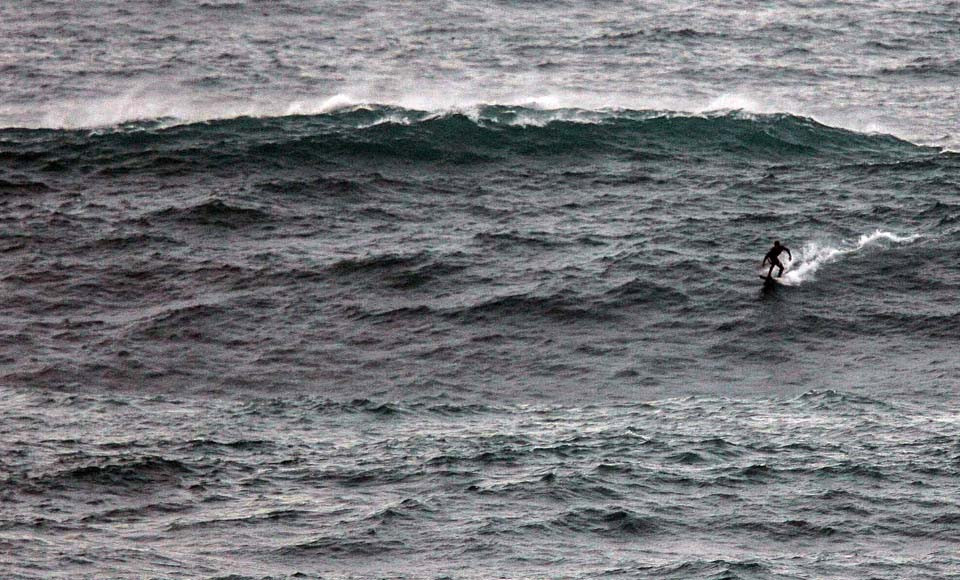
(473, 290)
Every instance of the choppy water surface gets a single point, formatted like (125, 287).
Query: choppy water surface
(461, 290)
(823, 484)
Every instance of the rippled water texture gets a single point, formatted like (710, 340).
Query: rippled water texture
(461, 290)
(823, 484)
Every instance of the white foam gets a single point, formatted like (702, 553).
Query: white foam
(157, 101)
(736, 102)
(814, 254)
(148, 103)
(320, 106)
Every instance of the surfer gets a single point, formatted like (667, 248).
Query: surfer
(772, 256)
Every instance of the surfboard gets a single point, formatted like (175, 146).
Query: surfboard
(770, 280)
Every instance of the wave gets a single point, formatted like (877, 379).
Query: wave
(613, 521)
(836, 400)
(125, 472)
(324, 406)
(22, 187)
(341, 547)
(491, 133)
(213, 212)
(726, 569)
(815, 255)
(152, 105)
(785, 530)
(924, 67)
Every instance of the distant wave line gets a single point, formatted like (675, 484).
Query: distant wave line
(169, 110)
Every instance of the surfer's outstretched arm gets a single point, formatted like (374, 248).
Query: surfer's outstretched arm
(788, 253)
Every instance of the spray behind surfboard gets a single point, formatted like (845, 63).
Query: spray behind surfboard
(814, 254)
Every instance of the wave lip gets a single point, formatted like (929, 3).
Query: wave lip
(153, 105)
(484, 134)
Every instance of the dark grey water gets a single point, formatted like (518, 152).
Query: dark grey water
(821, 485)
(470, 290)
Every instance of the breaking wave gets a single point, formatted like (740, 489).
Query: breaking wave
(378, 134)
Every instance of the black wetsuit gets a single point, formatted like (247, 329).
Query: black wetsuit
(773, 256)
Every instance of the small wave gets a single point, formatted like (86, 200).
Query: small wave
(687, 458)
(345, 547)
(272, 517)
(23, 187)
(815, 255)
(375, 263)
(947, 214)
(926, 67)
(719, 569)
(239, 445)
(398, 271)
(132, 473)
(831, 399)
(321, 186)
(942, 326)
(133, 514)
(405, 510)
(223, 5)
(647, 292)
(850, 469)
(128, 241)
(948, 519)
(177, 320)
(310, 406)
(510, 240)
(213, 212)
(786, 530)
(611, 521)
(451, 410)
(552, 307)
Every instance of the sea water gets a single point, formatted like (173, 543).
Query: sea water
(469, 290)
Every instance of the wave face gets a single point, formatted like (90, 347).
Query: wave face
(287, 251)
(486, 134)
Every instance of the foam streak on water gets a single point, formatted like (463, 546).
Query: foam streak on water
(814, 255)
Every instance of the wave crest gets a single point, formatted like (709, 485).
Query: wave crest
(488, 133)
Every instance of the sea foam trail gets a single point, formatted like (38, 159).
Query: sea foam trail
(813, 255)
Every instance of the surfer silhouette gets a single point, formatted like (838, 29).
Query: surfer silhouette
(773, 257)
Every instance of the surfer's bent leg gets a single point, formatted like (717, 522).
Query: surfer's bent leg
(775, 263)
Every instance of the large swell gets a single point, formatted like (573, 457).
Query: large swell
(377, 248)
